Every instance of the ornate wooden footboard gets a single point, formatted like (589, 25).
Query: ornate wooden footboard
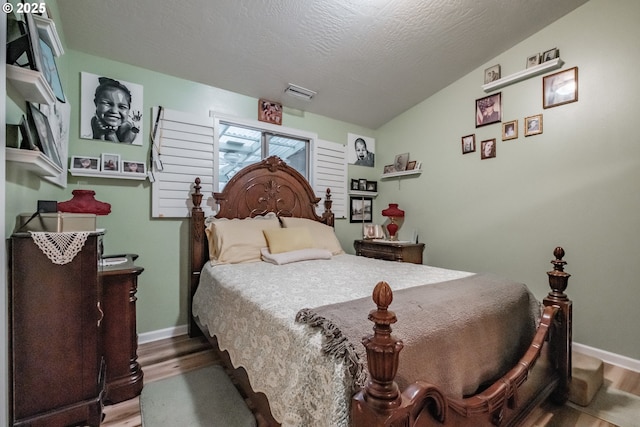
(506, 402)
(544, 370)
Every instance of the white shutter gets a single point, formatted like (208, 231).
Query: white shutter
(330, 171)
(184, 150)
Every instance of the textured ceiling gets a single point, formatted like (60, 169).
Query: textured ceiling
(368, 60)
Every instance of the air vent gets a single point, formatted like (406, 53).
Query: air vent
(300, 92)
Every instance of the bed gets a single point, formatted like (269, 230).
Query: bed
(305, 331)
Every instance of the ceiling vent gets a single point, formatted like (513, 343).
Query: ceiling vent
(300, 92)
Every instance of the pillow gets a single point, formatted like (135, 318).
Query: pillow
(288, 239)
(324, 237)
(233, 241)
(294, 256)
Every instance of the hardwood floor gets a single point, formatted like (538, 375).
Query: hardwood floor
(165, 358)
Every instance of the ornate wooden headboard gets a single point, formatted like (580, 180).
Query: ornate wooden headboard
(268, 186)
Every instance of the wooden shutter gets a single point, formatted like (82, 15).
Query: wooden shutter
(183, 149)
(330, 171)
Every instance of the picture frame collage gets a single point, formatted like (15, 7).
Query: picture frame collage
(107, 163)
(559, 88)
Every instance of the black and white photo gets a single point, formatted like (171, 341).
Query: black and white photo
(361, 150)
(111, 110)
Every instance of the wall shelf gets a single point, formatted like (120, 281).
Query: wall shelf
(31, 85)
(401, 173)
(363, 193)
(108, 174)
(33, 161)
(524, 74)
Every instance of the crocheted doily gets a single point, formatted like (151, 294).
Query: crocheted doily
(60, 248)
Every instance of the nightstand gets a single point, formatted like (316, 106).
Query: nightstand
(120, 339)
(390, 250)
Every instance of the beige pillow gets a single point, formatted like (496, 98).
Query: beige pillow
(238, 240)
(288, 239)
(324, 237)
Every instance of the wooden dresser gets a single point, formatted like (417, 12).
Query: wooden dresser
(119, 285)
(56, 370)
(390, 250)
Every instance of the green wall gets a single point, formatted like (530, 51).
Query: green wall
(576, 185)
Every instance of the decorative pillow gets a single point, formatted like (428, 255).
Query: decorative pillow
(288, 239)
(324, 237)
(233, 241)
(295, 256)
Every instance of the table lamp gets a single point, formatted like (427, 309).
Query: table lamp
(393, 213)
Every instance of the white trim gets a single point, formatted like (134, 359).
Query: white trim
(162, 334)
(608, 357)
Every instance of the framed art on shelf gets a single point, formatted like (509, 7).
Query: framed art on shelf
(372, 186)
(86, 163)
(510, 130)
(411, 165)
(550, 54)
(560, 88)
(355, 184)
(362, 184)
(489, 110)
(110, 162)
(533, 125)
(492, 74)
(360, 209)
(400, 162)
(44, 134)
(132, 166)
(468, 144)
(533, 60)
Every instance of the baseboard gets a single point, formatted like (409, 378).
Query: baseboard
(161, 334)
(605, 356)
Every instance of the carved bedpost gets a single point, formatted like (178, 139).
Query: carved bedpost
(197, 251)
(560, 335)
(327, 215)
(374, 405)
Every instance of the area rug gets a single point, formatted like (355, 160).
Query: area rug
(614, 406)
(204, 397)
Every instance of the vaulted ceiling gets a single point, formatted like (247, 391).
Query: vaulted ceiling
(368, 60)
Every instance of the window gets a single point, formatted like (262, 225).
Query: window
(241, 145)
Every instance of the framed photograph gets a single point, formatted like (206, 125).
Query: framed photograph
(34, 40)
(550, 54)
(489, 110)
(468, 144)
(133, 166)
(269, 111)
(29, 141)
(560, 88)
(492, 74)
(361, 150)
(400, 163)
(110, 162)
(509, 130)
(362, 184)
(411, 165)
(533, 60)
(87, 163)
(97, 122)
(372, 185)
(533, 125)
(50, 70)
(388, 169)
(355, 184)
(488, 149)
(360, 209)
(43, 133)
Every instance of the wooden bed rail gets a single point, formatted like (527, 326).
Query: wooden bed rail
(380, 402)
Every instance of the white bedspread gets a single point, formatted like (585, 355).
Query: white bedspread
(251, 308)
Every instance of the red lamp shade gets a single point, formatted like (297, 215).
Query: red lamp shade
(83, 201)
(393, 213)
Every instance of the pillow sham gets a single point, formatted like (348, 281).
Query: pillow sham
(233, 241)
(288, 239)
(294, 256)
(324, 237)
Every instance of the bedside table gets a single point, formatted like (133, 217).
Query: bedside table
(120, 340)
(390, 250)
